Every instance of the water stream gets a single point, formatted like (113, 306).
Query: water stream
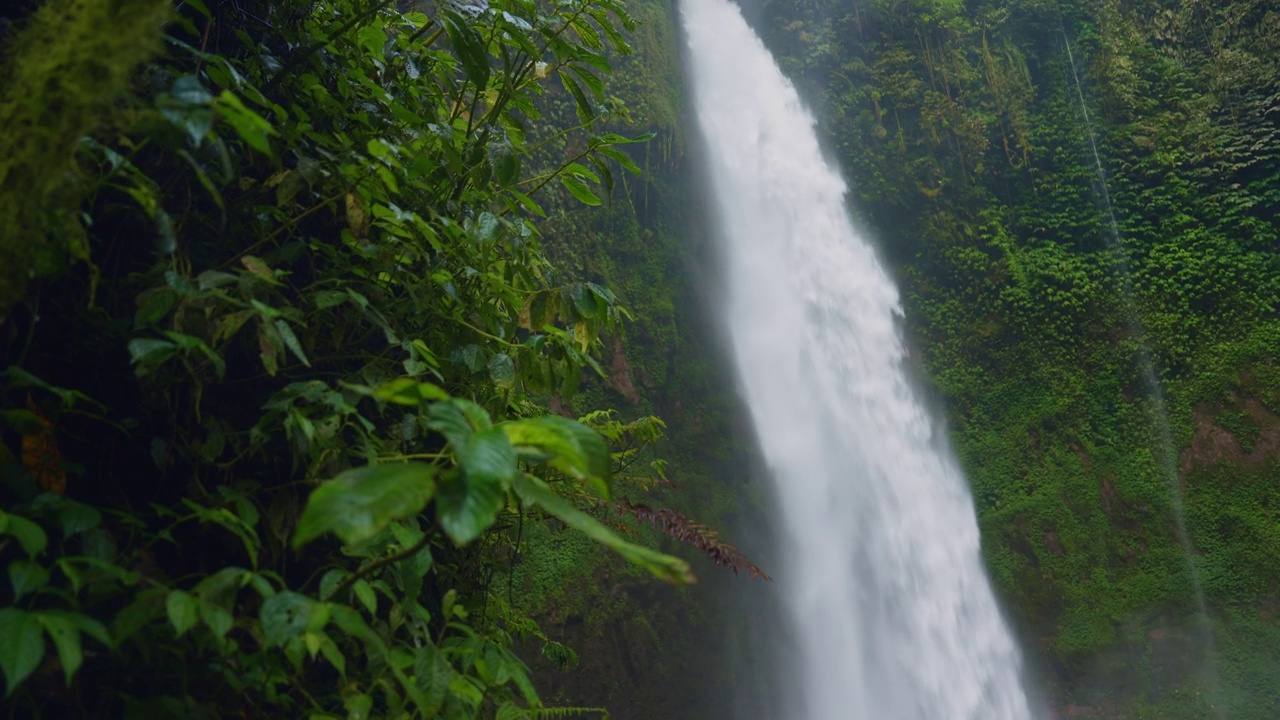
(893, 614)
(1165, 453)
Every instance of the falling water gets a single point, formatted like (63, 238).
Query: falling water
(894, 616)
(1166, 457)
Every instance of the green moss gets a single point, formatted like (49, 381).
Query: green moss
(61, 75)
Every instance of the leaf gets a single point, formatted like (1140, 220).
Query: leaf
(26, 576)
(584, 301)
(149, 353)
(360, 503)
(291, 341)
(249, 125)
(573, 448)
(407, 391)
(372, 38)
(66, 640)
(76, 518)
(432, 675)
(621, 158)
(183, 611)
(504, 160)
(188, 89)
(357, 706)
(30, 536)
(457, 420)
(153, 305)
(258, 268)
(664, 567)
(469, 503)
(21, 646)
(137, 615)
(502, 371)
(579, 190)
(364, 593)
(25, 422)
(586, 114)
(217, 618)
(470, 48)
(285, 616)
(358, 219)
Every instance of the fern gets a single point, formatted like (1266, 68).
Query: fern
(694, 533)
(568, 712)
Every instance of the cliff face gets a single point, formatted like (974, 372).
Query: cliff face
(1081, 203)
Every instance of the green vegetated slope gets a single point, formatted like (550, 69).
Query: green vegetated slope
(963, 130)
(645, 650)
(297, 308)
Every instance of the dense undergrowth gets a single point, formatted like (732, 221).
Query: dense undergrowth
(969, 132)
(282, 330)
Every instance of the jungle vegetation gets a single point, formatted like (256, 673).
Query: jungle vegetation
(1082, 202)
(290, 378)
(262, 263)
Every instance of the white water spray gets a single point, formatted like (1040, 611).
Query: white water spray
(894, 614)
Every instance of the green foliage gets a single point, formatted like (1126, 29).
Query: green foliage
(61, 76)
(1084, 316)
(322, 309)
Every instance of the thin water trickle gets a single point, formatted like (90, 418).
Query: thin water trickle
(1167, 458)
(881, 569)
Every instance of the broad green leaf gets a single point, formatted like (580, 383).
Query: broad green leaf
(325, 299)
(188, 89)
(145, 607)
(357, 706)
(504, 161)
(570, 446)
(407, 391)
(469, 502)
(372, 38)
(432, 675)
(458, 420)
(360, 503)
(470, 48)
(30, 536)
(149, 353)
(249, 125)
(364, 593)
(217, 618)
(584, 301)
(664, 567)
(66, 640)
(21, 646)
(578, 188)
(464, 689)
(285, 616)
(502, 371)
(183, 611)
(489, 459)
(329, 582)
(26, 576)
(76, 518)
(153, 305)
(331, 653)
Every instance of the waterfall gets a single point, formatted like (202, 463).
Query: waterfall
(893, 614)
